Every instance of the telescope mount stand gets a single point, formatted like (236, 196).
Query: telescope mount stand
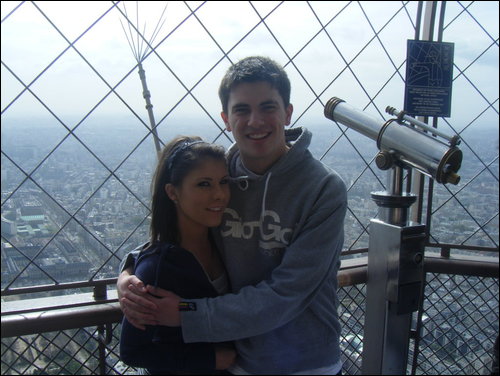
(395, 277)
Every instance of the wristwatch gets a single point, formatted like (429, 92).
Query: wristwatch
(187, 306)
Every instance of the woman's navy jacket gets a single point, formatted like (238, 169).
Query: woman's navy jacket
(161, 349)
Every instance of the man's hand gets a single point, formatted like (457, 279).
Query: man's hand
(168, 306)
(135, 301)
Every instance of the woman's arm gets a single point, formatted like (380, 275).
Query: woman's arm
(137, 349)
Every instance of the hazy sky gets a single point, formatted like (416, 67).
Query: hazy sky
(71, 89)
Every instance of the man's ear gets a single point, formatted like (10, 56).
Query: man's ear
(171, 192)
(289, 112)
(225, 119)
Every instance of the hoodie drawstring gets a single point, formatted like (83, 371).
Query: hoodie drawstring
(263, 207)
(242, 182)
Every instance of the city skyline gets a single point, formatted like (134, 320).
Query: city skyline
(75, 184)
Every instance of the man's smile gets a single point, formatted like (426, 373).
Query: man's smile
(258, 136)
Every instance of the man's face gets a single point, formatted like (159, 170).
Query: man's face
(257, 117)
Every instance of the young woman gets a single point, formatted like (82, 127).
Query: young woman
(190, 191)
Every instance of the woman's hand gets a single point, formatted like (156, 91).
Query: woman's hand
(225, 357)
(135, 301)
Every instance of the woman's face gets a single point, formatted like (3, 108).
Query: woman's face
(203, 195)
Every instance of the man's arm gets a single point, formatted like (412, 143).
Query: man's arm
(134, 300)
(272, 303)
(132, 295)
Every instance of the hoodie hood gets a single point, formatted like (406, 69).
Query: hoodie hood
(298, 140)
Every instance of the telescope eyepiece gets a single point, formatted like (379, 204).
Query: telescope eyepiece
(330, 107)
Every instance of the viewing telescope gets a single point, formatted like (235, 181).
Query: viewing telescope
(402, 141)
(396, 248)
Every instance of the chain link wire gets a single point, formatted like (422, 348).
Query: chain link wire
(76, 224)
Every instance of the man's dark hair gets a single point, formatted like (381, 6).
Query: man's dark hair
(255, 69)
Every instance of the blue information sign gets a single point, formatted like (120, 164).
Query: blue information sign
(429, 77)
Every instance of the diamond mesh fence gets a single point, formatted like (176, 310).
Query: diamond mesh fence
(459, 325)
(71, 352)
(78, 150)
(62, 192)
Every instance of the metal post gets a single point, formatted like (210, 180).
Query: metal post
(418, 178)
(147, 97)
(102, 349)
(395, 275)
(104, 337)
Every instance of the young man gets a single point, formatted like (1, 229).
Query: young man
(282, 235)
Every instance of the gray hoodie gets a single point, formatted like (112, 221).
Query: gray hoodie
(282, 236)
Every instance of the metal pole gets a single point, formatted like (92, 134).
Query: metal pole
(395, 272)
(418, 178)
(102, 350)
(147, 96)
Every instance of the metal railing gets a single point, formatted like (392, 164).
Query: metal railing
(454, 331)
